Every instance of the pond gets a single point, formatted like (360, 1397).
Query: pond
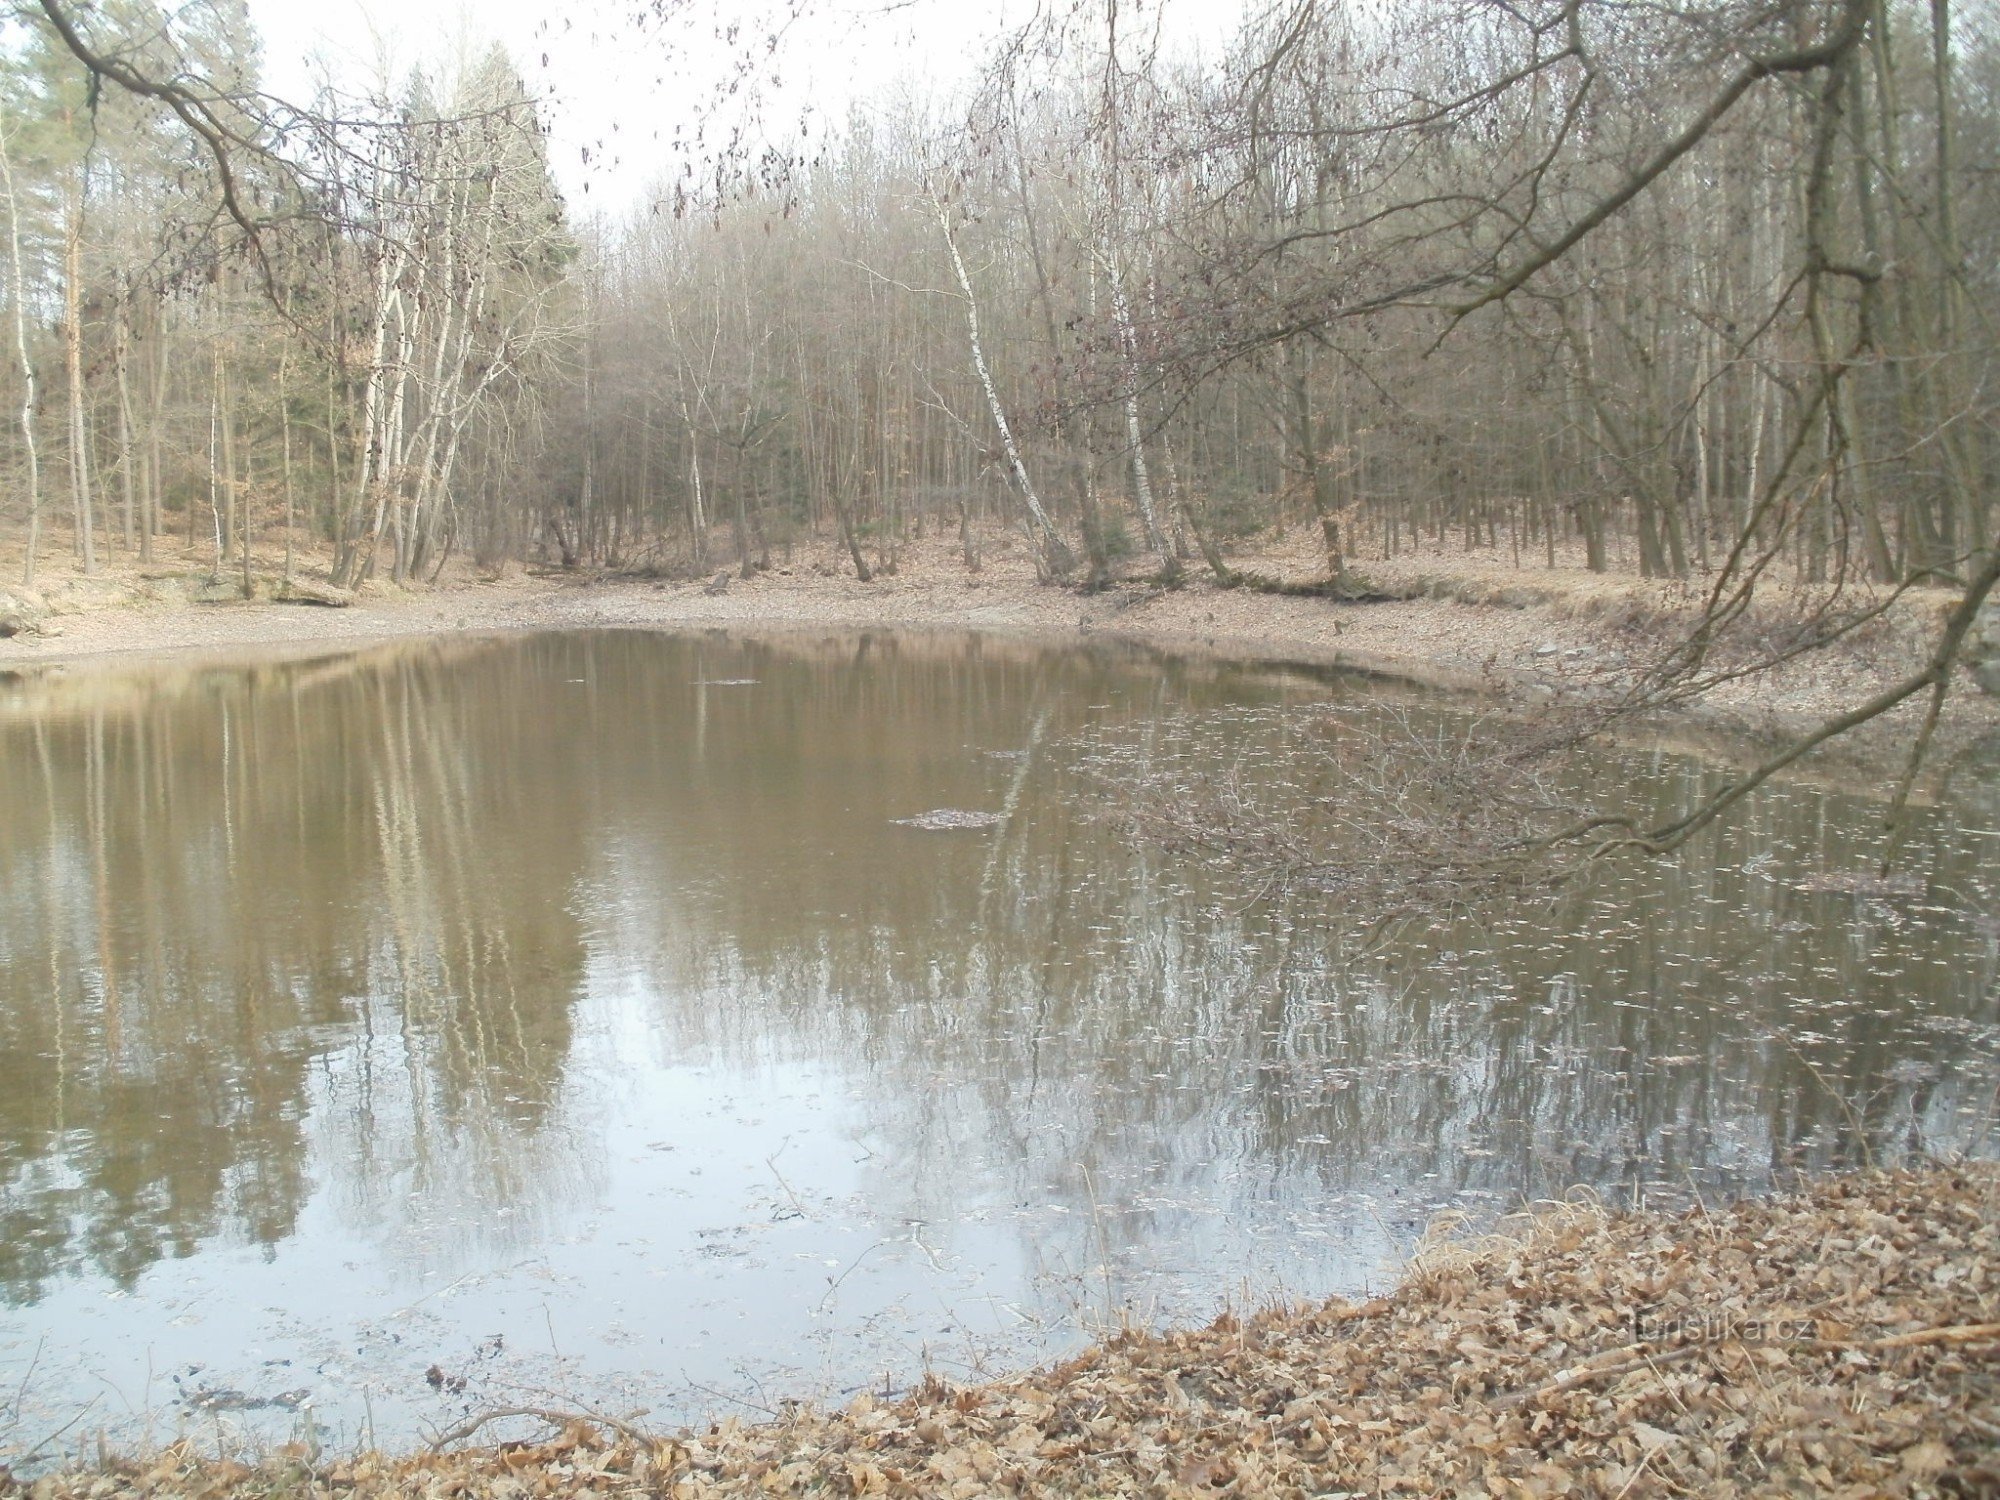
(596, 1019)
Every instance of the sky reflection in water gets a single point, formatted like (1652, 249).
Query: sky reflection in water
(571, 1012)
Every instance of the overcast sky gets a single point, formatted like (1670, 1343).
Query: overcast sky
(616, 92)
(619, 91)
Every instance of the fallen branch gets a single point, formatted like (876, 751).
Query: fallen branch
(555, 1418)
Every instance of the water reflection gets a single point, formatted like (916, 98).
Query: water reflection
(573, 1010)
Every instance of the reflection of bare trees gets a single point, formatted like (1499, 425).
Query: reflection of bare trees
(213, 880)
(348, 918)
(1048, 999)
(155, 1073)
(1381, 811)
(442, 1106)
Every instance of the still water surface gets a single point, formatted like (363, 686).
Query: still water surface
(570, 1017)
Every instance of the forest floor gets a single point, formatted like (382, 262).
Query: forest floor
(1474, 618)
(1840, 1340)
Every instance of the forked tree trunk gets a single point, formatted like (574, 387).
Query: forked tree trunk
(1312, 465)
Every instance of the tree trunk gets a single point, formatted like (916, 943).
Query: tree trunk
(285, 421)
(1135, 437)
(120, 357)
(1056, 554)
(20, 298)
(79, 425)
(1311, 463)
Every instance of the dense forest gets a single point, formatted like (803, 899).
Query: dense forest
(1160, 669)
(1702, 291)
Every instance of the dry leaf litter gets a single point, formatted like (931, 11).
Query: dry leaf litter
(1844, 1340)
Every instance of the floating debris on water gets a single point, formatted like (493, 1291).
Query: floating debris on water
(944, 819)
(1857, 883)
(206, 1399)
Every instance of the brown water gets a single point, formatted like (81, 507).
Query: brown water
(571, 1013)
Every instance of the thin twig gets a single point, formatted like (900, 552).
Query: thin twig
(555, 1418)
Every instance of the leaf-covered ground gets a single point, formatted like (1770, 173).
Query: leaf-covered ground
(1841, 1341)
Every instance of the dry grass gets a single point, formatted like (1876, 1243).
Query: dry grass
(1844, 1340)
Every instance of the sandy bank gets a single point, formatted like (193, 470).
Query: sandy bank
(1476, 623)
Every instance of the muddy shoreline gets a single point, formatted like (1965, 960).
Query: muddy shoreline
(1530, 637)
